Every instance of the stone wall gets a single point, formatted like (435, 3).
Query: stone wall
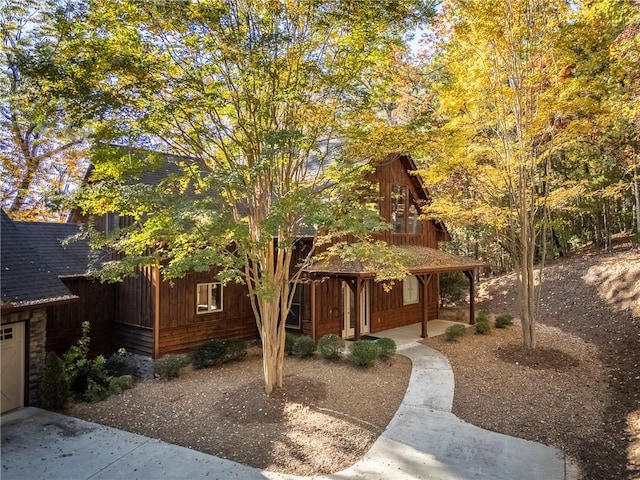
(37, 353)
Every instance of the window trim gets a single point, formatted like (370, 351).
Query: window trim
(406, 299)
(209, 285)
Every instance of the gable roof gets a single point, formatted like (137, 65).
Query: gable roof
(46, 238)
(25, 279)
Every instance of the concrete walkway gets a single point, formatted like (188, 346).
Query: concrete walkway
(423, 441)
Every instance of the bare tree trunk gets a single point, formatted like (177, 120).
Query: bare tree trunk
(636, 195)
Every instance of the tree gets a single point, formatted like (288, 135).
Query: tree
(492, 151)
(41, 150)
(260, 100)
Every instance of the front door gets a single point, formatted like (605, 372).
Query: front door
(12, 356)
(349, 311)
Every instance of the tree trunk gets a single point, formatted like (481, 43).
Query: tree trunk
(636, 195)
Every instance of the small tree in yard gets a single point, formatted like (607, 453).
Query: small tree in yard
(252, 95)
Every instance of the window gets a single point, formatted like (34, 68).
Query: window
(410, 290)
(414, 219)
(111, 222)
(398, 204)
(6, 333)
(209, 297)
(293, 318)
(405, 216)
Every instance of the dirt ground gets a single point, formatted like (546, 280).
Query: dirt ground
(327, 416)
(586, 404)
(579, 391)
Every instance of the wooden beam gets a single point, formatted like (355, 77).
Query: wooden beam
(358, 306)
(471, 275)
(156, 311)
(425, 280)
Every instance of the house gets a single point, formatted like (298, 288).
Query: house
(153, 317)
(46, 295)
(27, 289)
(331, 307)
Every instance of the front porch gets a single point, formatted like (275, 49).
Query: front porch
(413, 333)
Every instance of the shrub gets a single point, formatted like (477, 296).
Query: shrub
(454, 332)
(483, 315)
(364, 352)
(216, 352)
(482, 326)
(329, 346)
(504, 321)
(118, 364)
(76, 356)
(289, 341)
(303, 346)
(170, 365)
(88, 373)
(95, 392)
(387, 347)
(54, 389)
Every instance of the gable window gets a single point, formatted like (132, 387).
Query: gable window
(413, 225)
(209, 297)
(410, 291)
(398, 205)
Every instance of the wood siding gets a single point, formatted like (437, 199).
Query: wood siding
(96, 304)
(181, 328)
(386, 176)
(137, 299)
(134, 338)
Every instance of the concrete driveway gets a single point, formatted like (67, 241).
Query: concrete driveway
(423, 441)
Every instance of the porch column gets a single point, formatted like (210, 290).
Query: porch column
(472, 295)
(425, 280)
(358, 312)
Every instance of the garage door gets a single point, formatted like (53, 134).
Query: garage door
(12, 365)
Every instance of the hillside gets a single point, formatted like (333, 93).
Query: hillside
(596, 298)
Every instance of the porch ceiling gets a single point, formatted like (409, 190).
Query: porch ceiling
(420, 260)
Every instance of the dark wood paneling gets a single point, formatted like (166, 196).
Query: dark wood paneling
(96, 304)
(134, 338)
(182, 328)
(136, 299)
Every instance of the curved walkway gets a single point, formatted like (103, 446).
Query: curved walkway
(423, 441)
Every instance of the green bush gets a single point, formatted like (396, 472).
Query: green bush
(483, 315)
(504, 321)
(87, 374)
(95, 392)
(118, 364)
(170, 365)
(216, 352)
(54, 388)
(76, 356)
(330, 346)
(303, 346)
(483, 326)
(289, 341)
(363, 352)
(387, 347)
(454, 332)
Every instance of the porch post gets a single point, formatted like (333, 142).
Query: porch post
(472, 294)
(358, 312)
(425, 280)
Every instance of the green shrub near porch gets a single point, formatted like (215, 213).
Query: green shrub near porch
(364, 353)
(330, 346)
